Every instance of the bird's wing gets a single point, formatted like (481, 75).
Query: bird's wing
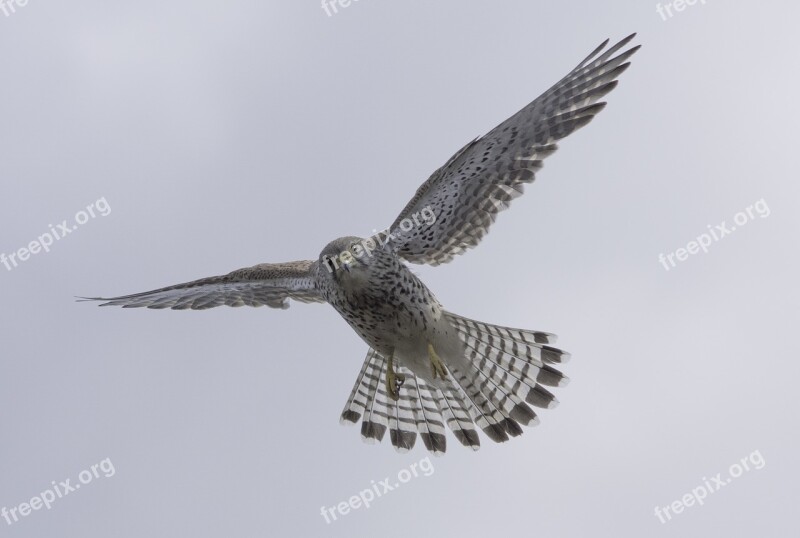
(465, 195)
(271, 284)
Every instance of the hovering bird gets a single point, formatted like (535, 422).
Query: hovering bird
(426, 366)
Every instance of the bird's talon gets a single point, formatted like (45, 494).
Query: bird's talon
(436, 363)
(393, 381)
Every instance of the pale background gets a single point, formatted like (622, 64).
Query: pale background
(224, 134)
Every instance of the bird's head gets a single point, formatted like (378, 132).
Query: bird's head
(349, 259)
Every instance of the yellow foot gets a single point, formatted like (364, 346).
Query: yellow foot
(393, 381)
(436, 363)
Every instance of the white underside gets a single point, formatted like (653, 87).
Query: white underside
(412, 351)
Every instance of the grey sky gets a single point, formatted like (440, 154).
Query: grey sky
(224, 134)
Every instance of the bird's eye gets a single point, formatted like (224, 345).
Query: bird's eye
(330, 265)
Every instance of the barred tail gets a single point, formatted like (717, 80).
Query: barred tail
(503, 374)
(512, 367)
(420, 409)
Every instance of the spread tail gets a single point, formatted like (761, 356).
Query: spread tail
(504, 374)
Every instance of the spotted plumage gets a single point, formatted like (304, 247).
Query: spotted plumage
(428, 369)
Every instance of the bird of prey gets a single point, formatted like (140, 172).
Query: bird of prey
(426, 366)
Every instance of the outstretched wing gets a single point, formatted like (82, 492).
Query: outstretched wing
(271, 284)
(482, 178)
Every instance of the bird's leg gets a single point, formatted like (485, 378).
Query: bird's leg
(393, 380)
(436, 363)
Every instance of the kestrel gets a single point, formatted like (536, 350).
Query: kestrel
(427, 367)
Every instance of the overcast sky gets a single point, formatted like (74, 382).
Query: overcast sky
(185, 139)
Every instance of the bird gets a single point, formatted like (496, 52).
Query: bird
(428, 369)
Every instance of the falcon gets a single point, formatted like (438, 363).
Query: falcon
(427, 367)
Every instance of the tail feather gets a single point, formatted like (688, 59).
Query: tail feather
(518, 343)
(520, 365)
(416, 411)
(363, 389)
(502, 390)
(483, 413)
(402, 424)
(503, 333)
(515, 374)
(375, 422)
(494, 387)
(458, 418)
(427, 414)
(501, 401)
